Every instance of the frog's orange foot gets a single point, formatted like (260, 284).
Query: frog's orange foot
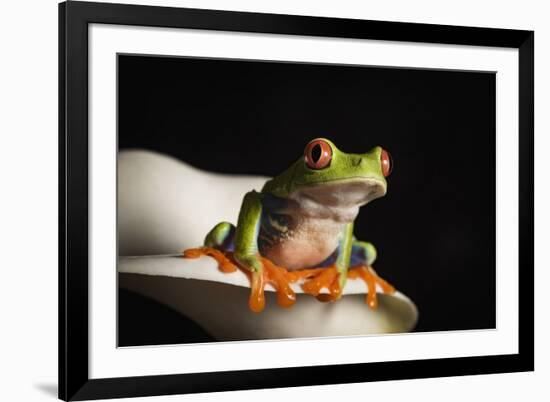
(225, 263)
(279, 278)
(322, 278)
(372, 279)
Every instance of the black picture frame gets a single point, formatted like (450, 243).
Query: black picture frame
(74, 381)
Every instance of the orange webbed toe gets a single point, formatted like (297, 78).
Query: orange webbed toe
(225, 263)
(323, 278)
(371, 279)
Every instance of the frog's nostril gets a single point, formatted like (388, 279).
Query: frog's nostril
(357, 161)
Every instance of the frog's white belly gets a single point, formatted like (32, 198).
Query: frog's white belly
(308, 243)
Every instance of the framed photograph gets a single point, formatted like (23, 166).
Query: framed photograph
(256, 200)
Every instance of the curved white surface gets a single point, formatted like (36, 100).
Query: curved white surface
(218, 302)
(165, 205)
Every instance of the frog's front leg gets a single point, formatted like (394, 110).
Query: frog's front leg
(333, 277)
(230, 245)
(218, 245)
(262, 270)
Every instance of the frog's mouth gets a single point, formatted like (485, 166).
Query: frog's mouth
(346, 194)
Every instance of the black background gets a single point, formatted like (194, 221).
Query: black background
(435, 228)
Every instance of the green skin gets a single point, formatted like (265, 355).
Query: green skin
(304, 217)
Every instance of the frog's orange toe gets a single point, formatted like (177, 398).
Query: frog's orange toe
(280, 279)
(334, 292)
(193, 253)
(371, 279)
(224, 262)
(323, 278)
(256, 301)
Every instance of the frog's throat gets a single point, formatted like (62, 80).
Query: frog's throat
(340, 197)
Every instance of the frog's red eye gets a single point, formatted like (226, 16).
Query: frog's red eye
(318, 154)
(386, 162)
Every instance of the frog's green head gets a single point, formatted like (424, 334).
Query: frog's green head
(325, 175)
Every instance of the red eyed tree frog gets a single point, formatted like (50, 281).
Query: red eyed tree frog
(299, 227)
